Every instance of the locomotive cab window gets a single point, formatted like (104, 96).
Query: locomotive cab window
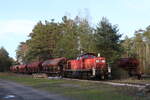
(88, 56)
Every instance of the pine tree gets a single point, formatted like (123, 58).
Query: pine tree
(108, 40)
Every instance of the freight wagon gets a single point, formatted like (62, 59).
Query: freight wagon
(131, 65)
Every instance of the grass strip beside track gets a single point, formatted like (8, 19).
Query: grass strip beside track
(76, 90)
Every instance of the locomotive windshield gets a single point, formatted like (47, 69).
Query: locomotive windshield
(88, 56)
(85, 56)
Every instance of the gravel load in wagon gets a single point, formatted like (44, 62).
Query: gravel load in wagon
(35, 67)
(54, 67)
(54, 62)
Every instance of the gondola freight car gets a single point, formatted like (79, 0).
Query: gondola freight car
(131, 65)
(54, 67)
(34, 67)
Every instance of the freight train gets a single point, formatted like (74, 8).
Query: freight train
(87, 66)
(84, 66)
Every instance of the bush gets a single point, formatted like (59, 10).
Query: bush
(147, 71)
(119, 73)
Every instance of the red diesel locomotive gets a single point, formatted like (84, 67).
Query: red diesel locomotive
(87, 65)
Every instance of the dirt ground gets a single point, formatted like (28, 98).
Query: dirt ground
(14, 91)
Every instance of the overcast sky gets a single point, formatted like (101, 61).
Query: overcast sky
(18, 17)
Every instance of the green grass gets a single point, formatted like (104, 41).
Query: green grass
(76, 89)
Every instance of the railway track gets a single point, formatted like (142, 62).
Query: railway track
(127, 84)
(136, 85)
(124, 84)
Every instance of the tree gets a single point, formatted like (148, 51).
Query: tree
(5, 60)
(70, 38)
(139, 47)
(43, 41)
(128, 46)
(108, 40)
(85, 35)
(21, 52)
(76, 38)
(146, 37)
(67, 46)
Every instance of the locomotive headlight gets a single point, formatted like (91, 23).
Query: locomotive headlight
(97, 61)
(103, 61)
